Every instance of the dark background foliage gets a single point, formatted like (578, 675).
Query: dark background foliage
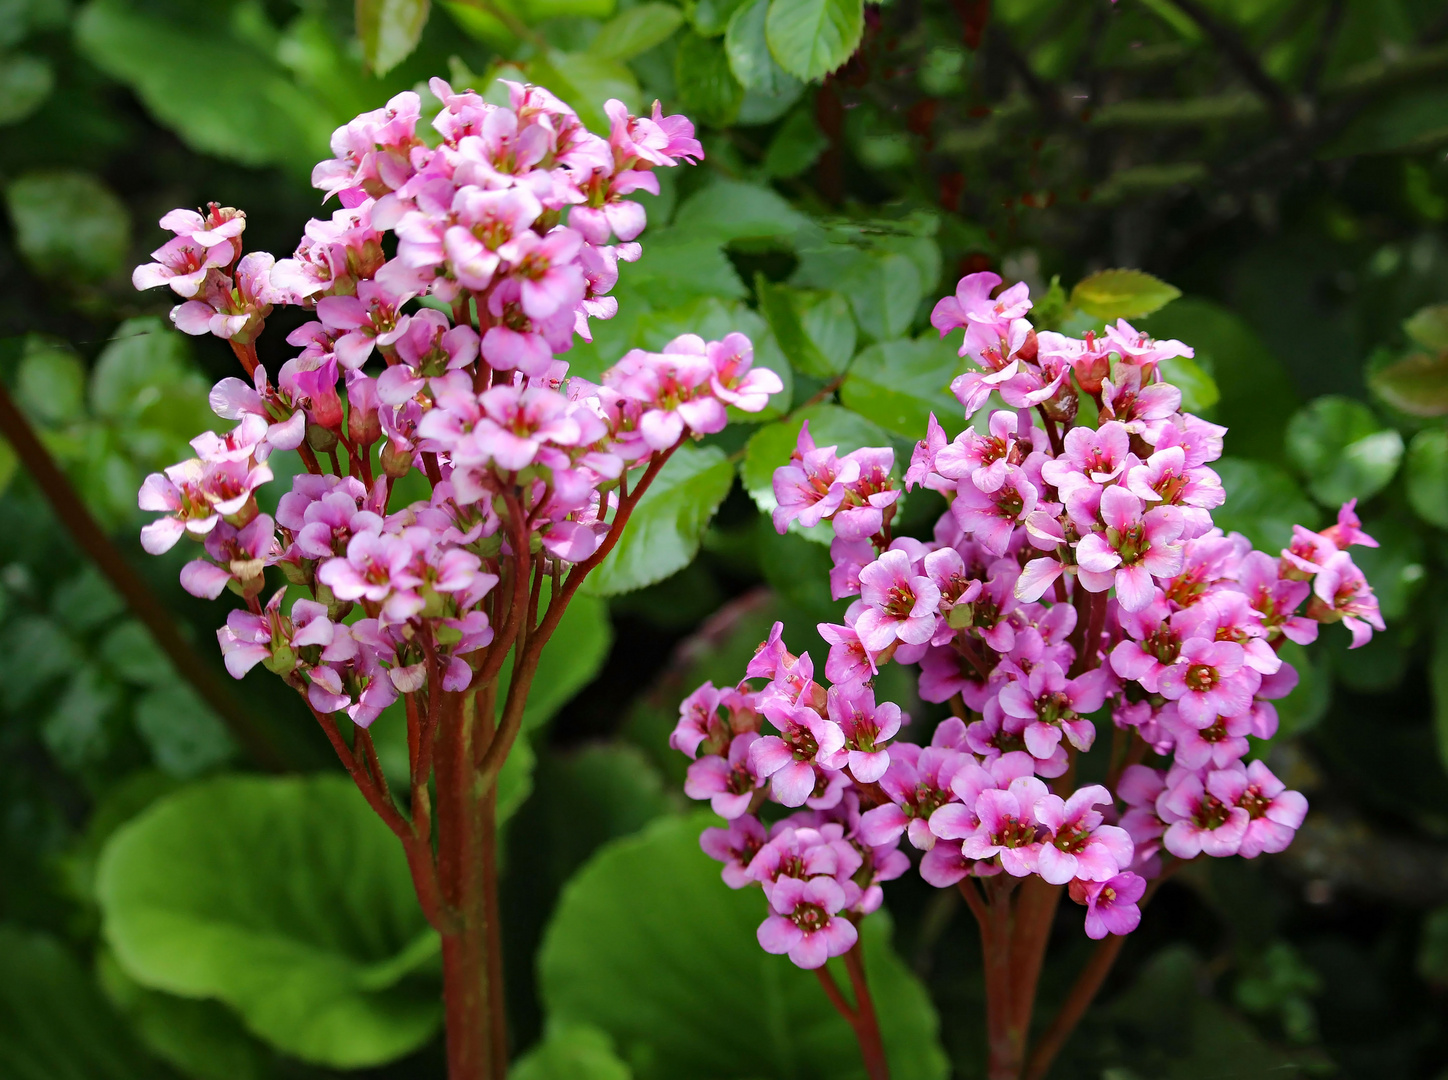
(1281, 162)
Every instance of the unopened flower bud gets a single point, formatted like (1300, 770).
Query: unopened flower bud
(363, 425)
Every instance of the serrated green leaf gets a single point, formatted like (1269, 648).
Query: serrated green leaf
(390, 30)
(898, 384)
(1122, 294)
(1425, 475)
(1342, 449)
(795, 147)
(663, 534)
(814, 330)
(749, 56)
(246, 109)
(735, 210)
(1199, 390)
(811, 38)
(884, 291)
(25, 83)
(680, 264)
(1416, 384)
(1429, 327)
(296, 910)
(650, 946)
(54, 1024)
(707, 88)
(68, 224)
(636, 31)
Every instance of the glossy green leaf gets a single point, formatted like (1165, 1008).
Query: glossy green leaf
(68, 224)
(795, 147)
(390, 30)
(203, 1039)
(25, 83)
(50, 384)
(749, 56)
(1425, 474)
(1122, 294)
(54, 1024)
(711, 17)
(771, 446)
(573, 657)
(1199, 390)
(815, 330)
(884, 283)
(664, 531)
(185, 736)
(586, 81)
(811, 38)
(1263, 503)
(1417, 384)
(1342, 449)
(650, 946)
(1429, 327)
(636, 31)
(295, 909)
(246, 109)
(898, 384)
(572, 1052)
(1257, 394)
(735, 210)
(680, 264)
(707, 88)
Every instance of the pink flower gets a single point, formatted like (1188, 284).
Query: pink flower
(369, 318)
(1079, 845)
(805, 923)
(991, 517)
(735, 847)
(1209, 679)
(1134, 548)
(1111, 906)
(1198, 820)
(812, 486)
(788, 761)
(866, 728)
(1340, 591)
(728, 783)
(183, 261)
(1008, 827)
(735, 380)
(1275, 813)
(1052, 706)
(918, 784)
(899, 604)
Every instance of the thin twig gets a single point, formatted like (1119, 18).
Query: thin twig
(91, 538)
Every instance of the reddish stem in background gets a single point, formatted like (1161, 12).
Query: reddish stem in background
(861, 1016)
(83, 528)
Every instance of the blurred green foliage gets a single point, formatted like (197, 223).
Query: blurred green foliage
(1276, 171)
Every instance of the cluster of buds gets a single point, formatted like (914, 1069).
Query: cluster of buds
(442, 360)
(1076, 578)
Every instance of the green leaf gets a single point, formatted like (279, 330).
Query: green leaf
(1257, 394)
(1263, 503)
(68, 224)
(814, 329)
(247, 108)
(1343, 450)
(884, 281)
(771, 446)
(131, 653)
(1432, 959)
(1303, 709)
(34, 652)
(811, 38)
(707, 88)
(1416, 384)
(1415, 119)
(795, 147)
(636, 31)
(50, 384)
(749, 56)
(898, 384)
(75, 730)
(25, 83)
(572, 1052)
(390, 30)
(9, 465)
(1429, 327)
(201, 1038)
(711, 17)
(572, 658)
(663, 533)
(680, 264)
(650, 946)
(146, 385)
(1122, 294)
(1425, 476)
(185, 736)
(1199, 390)
(54, 1024)
(1438, 680)
(586, 81)
(735, 210)
(295, 909)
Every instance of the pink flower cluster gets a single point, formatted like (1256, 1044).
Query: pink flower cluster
(441, 360)
(1075, 579)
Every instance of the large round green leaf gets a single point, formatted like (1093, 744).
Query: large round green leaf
(54, 1024)
(68, 224)
(1427, 476)
(650, 946)
(1263, 503)
(663, 534)
(810, 38)
(898, 384)
(1343, 449)
(284, 898)
(1122, 294)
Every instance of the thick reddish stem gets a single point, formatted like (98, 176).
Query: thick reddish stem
(1004, 1050)
(866, 1025)
(1035, 912)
